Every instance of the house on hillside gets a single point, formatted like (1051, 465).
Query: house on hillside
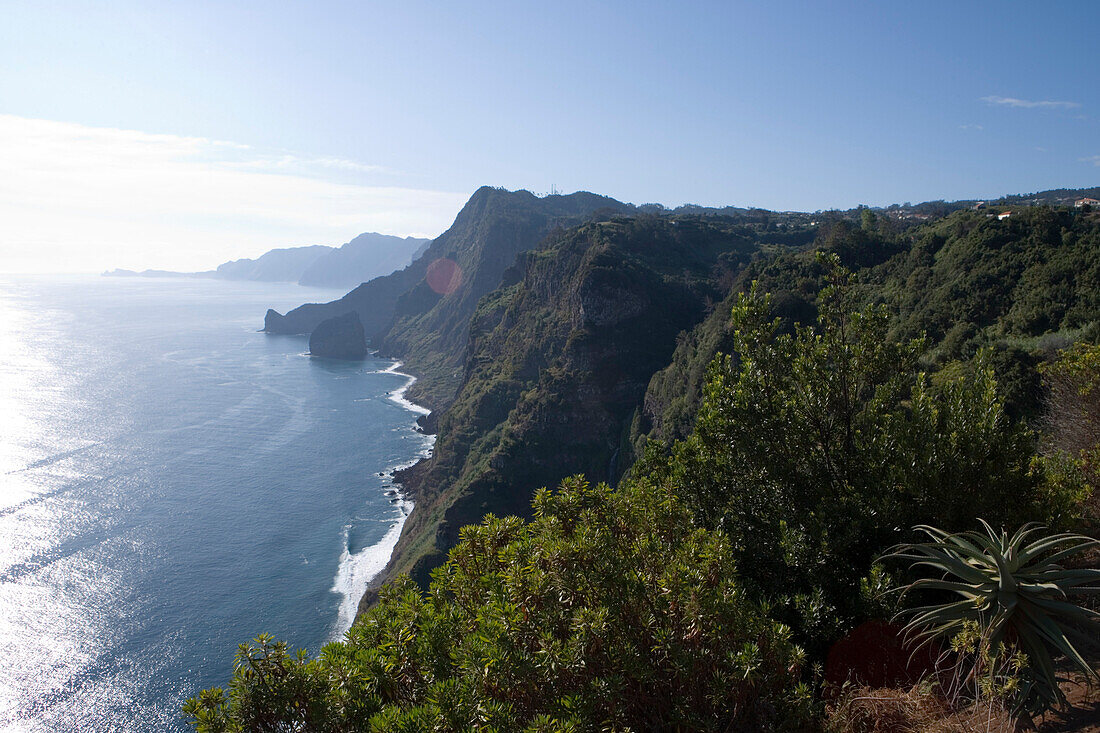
(1086, 202)
(1003, 215)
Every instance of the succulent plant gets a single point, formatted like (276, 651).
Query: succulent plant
(1016, 589)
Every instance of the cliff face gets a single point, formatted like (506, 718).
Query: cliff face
(422, 313)
(602, 336)
(373, 301)
(557, 366)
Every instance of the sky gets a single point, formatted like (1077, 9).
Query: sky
(179, 135)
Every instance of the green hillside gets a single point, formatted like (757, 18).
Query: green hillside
(558, 362)
(770, 404)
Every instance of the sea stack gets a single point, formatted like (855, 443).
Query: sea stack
(340, 337)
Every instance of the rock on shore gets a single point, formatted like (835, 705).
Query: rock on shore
(340, 337)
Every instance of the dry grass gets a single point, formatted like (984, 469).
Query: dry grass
(888, 710)
(891, 710)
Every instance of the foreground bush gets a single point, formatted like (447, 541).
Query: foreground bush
(609, 610)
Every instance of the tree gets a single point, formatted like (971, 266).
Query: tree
(868, 220)
(1071, 422)
(815, 451)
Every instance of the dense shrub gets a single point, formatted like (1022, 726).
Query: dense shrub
(609, 610)
(1071, 421)
(815, 451)
(674, 602)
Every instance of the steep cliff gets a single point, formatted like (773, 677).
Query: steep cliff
(557, 365)
(422, 313)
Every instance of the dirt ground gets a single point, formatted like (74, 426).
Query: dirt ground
(1084, 717)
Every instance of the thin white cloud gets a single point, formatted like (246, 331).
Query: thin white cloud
(305, 165)
(971, 127)
(79, 198)
(1029, 104)
(348, 165)
(1094, 159)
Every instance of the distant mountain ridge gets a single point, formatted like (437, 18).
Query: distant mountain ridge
(277, 265)
(366, 257)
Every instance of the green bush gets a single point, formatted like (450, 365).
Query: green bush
(609, 610)
(815, 451)
(1071, 422)
(675, 601)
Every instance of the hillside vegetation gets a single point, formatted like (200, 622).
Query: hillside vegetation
(699, 594)
(1022, 287)
(761, 405)
(558, 361)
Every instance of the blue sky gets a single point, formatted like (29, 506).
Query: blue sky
(184, 134)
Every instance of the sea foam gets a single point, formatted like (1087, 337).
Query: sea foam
(398, 395)
(356, 570)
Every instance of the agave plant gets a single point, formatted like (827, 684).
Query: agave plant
(1017, 591)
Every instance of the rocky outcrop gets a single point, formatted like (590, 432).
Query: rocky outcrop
(272, 321)
(374, 300)
(340, 337)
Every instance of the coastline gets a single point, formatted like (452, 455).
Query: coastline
(356, 572)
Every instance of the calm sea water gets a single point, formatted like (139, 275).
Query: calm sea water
(172, 483)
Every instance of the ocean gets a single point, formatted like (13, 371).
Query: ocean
(173, 483)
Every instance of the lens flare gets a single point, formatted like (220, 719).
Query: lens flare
(444, 276)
